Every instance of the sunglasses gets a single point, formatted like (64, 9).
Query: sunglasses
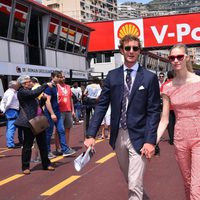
(161, 76)
(128, 48)
(178, 57)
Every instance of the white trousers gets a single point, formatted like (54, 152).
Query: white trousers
(132, 165)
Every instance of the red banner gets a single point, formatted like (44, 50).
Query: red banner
(162, 31)
(169, 30)
(102, 39)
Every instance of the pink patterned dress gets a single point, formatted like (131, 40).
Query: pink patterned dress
(185, 101)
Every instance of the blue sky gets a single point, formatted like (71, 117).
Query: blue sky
(138, 1)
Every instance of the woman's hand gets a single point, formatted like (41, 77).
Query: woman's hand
(148, 150)
(53, 117)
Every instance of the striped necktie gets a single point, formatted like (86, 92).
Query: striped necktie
(125, 97)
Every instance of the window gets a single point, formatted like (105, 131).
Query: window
(102, 58)
(19, 25)
(53, 32)
(70, 39)
(84, 42)
(63, 36)
(5, 7)
(98, 58)
(78, 40)
(54, 6)
(107, 58)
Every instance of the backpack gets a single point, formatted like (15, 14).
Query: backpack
(75, 99)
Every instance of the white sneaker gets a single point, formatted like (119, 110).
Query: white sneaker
(51, 155)
(69, 152)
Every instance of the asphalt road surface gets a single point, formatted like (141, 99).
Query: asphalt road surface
(100, 179)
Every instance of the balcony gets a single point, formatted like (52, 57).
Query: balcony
(54, 6)
(53, 2)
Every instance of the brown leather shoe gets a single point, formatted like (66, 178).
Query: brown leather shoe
(26, 171)
(50, 168)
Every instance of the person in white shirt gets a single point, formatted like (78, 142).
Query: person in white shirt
(77, 93)
(91, 93)
(134, 96)
(10, 106)
(106, 124)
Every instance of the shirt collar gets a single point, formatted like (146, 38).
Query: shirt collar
(134, 67)
(12, 89)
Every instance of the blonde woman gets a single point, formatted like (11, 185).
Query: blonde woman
(183, 93)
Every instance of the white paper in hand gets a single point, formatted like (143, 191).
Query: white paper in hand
(83, 159)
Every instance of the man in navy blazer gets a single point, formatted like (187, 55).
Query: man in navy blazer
(135, 143)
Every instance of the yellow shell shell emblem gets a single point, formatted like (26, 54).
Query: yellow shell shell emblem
(128, 28)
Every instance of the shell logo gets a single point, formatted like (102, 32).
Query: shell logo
(128, 28)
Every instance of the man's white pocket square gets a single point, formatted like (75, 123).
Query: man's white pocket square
(141, 87)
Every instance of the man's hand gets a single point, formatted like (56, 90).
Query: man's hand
(148, 150)
(73, 114)
(89, 142)
(50, 84)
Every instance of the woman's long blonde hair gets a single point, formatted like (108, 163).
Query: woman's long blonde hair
(188, 62)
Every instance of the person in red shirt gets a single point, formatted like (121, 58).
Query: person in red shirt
(66, 105)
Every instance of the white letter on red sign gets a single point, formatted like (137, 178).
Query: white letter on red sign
(194, 34)
(182, 30)
(160, 37)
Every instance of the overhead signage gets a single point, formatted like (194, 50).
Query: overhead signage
(102, 38)
(31, 70)
(169, 30)
(122, 28)
(79, 74)
(161, 31)
(38, 71)
(23, 69)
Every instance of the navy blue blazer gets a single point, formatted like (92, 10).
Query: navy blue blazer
(143, 112)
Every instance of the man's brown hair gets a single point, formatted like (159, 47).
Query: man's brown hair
(129, 37)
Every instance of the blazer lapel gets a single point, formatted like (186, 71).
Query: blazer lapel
(137, 82)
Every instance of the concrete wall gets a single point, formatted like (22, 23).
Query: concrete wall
(64, 60)
(4, 51)
(17, 53)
